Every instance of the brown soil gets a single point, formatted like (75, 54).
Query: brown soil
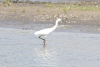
(38, 13)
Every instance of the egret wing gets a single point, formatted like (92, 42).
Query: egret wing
(43, 32)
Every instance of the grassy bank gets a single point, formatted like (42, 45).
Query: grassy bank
(66, 7)
(49, 11)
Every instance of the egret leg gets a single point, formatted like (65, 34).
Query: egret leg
(44, 43)
(40, 37)
(43, 40)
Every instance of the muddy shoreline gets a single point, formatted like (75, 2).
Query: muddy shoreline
(81, 21)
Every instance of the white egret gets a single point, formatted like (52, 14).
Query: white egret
(47, 31)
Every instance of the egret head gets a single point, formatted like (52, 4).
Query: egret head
(59, 20)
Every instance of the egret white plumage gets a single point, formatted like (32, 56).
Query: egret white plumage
(47, 31)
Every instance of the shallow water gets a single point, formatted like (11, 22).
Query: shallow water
(21, 48)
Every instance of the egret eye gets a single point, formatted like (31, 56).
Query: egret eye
(63, 21)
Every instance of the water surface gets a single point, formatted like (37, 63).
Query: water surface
(21, 48)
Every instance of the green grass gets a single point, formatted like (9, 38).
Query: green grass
(23, 9)
(49, 5)
(15, 10)
(80, 8)
(71, 6)
(7, 3)
(64, 9)
(87, 8)
(38, 10)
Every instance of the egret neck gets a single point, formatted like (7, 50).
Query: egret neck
(56, 24)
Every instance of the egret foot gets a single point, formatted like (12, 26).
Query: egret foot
(44, 42)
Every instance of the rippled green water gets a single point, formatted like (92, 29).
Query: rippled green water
(21, 48)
